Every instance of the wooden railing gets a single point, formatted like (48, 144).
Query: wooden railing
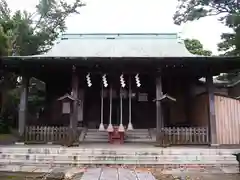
(48, 134)
(185, 135)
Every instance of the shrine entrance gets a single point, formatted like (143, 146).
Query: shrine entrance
(115, 105)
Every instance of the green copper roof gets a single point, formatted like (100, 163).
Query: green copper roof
(119, 45)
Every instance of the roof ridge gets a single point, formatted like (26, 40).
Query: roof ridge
(119, 33)
(66, 36)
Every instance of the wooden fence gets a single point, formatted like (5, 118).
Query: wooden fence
(47, 134)
(186, 135)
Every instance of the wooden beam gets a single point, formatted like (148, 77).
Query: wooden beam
(22, 113)
(74, 112)
(211, 110)
(159, 115)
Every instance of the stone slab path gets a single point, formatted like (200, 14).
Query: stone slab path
(115, 174)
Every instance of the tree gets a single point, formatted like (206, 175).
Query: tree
(195, 47)
(23, 33)
(3, 42)
(228, 12)
(35, 33)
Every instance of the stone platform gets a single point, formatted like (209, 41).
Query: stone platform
(132, 155)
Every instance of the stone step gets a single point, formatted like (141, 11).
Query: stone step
(138, 137)
(18, 156)
(112, 159)
(126, 138)
(92, 140)
(136, 131)
(112, 154)
(101, 135)
(96, 132)
(131, 131)
(126, 141)
(96, 135)
(142, 140)
(127, 133)
(137, 134)
(98, 138)
(138, 150)
(99, 132)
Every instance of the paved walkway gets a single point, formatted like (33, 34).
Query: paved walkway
(107, 173)
(115, 174)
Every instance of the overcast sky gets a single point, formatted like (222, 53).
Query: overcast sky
(129, 16)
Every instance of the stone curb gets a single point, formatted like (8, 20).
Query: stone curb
(70, 171)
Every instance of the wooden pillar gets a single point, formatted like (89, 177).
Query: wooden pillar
(81, 95)
(22, 114)
(74, 112)
(211, 110)
(159, 115)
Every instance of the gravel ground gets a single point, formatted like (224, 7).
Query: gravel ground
(199, 177)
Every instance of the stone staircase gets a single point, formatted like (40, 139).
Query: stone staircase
(97, 154)
(94, 135)
(138, 136)
(135, 136)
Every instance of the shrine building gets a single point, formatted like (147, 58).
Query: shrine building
(131, 84)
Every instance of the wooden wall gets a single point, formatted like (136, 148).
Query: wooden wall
(177, 112)
(199, 111)
(228, 120)
(227, 117)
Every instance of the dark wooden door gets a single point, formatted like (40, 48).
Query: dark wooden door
(115, 112)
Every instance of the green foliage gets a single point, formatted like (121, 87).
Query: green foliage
(3, 42)
(195, 47)
(31, 34)
(227, 10)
